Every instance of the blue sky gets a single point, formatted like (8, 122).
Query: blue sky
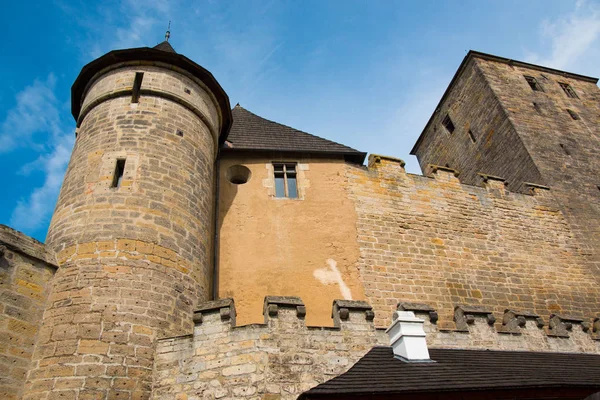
(364, 73)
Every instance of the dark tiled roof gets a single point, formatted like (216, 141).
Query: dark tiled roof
(251, 132)
(379, 374)
(165, 46)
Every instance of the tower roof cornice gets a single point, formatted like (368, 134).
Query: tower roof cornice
(146, 55)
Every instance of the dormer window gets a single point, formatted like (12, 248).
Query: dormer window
(286, 185)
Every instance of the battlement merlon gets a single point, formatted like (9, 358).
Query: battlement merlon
(19, 242)
(287, 312)
(387, 165)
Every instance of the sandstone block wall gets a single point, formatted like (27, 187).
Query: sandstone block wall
(276, 360)
(26, 271)
(135, 260)
(435, 240)
(283, 357)
(523, 135)
(564, 150)
(475, 110)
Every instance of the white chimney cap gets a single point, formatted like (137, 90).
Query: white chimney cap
(407, 337)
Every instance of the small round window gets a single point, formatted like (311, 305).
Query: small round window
(238, 174)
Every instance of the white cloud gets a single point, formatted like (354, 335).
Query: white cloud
(573, 39)
(35, 122)
(34, 114)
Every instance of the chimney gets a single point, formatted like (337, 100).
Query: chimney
(407, 337)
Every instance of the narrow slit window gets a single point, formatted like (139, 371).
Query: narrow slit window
(286, 185)
(568, 90)
(137, 85)
(533, 83)
(447, 122)
(573, 114)
(119, 172)
(472, 136)
(562, 146)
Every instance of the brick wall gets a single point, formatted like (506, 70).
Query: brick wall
(434, 240)
(25, 274)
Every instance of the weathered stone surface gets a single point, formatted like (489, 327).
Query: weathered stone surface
(440, 242)
(135, 260)
(26, 271)
(285, 357)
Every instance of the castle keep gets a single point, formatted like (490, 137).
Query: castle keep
(202, 251)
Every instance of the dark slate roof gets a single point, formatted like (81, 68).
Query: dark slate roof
(165, 46)
(379, 374)
(250, 132)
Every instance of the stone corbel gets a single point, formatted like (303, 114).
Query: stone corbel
(418, 308)
(465, 316)
(272, 304)
(513, 321)
(560, 325)
(225, 307)
(342, 309)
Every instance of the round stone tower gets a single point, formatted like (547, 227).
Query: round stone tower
(133, 226)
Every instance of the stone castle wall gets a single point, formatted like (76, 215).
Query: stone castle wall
(26, 271)
(431, 239)
(136, 259)
(565, 150)
(287, 247)
(283, 357)
(543, 136)
(484, 139)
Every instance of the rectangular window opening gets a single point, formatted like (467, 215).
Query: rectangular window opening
(286, 185)
(533, 83)
(573, 114)
(447, 122)
(472, 136)
(119, 172)
(568, 90)
(137, 85)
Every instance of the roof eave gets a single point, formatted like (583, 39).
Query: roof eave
(356, 157)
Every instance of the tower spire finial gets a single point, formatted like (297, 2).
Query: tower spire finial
(168, 34)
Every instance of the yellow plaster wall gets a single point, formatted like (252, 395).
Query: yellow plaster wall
(286, 247)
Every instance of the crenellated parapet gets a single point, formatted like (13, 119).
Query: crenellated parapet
(283, 357)
(434, 239)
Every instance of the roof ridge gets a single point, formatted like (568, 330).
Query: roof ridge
(295, 129)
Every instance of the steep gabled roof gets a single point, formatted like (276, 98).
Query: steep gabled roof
(250, 132)
(460, 374)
